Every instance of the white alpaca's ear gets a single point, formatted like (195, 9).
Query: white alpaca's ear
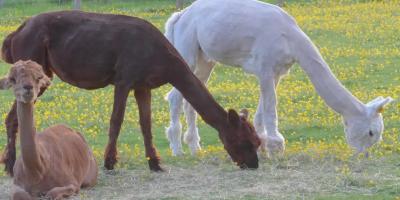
(377, 104)
(4, 83)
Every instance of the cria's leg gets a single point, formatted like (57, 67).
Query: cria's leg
(202, 71)
(120, 95)
(275, 142)
(174, 131)
(143, 99)
(62, 192)
(20, 194)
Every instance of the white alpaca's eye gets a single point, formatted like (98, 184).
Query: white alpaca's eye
(371, 133)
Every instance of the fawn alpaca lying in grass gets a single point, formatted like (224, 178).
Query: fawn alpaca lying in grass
(55, 163)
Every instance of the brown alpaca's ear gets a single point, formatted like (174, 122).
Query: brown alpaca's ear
(244, 113)
(233, 117)
(5, 83)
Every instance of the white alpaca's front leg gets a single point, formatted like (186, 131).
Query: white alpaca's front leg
(275, 142)
(174, 131)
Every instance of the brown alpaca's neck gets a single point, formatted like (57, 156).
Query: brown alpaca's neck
(29, 151)
(198, 96)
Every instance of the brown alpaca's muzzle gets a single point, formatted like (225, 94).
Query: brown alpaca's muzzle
(250, 163)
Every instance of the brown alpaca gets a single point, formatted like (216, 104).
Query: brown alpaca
(55, 163)
(90, 50)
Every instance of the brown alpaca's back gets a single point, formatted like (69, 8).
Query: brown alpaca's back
(67, 160)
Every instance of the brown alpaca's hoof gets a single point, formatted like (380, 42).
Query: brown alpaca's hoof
(110, 157)
(109, 163)
(154, 165)
(8, 159)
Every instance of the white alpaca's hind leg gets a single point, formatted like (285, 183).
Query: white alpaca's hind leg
(191, 137)
(174, 131)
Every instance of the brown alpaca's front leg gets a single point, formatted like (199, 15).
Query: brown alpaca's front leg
(62, 192)
(120, 95)
(143, 99)
(9, 154)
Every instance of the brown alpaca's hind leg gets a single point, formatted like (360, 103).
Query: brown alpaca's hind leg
(62, 192)
(143, 99)
(20, 194)
(9, 155)
(120, 95)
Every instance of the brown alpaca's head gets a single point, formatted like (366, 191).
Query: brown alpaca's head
(240, 140)
(26, 78)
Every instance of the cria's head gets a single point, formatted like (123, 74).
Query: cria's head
(26, 78)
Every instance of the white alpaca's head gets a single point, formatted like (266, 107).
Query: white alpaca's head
(364, 131)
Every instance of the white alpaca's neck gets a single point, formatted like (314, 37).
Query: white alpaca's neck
(29, 151)
(327, 85)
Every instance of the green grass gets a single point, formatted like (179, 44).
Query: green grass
(303, 116)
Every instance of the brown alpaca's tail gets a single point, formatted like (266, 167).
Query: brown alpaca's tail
(6, 54)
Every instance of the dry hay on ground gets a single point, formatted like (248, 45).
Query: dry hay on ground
(297, 177)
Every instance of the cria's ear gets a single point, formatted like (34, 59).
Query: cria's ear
(244, 113)
(4, 83)
(233, 117)
(378, 104)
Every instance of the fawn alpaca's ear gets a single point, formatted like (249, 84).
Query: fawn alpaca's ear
(45, 81)
(233, 118)
(5, 83)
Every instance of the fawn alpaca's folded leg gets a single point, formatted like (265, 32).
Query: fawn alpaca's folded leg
(20, 194)
(62, 192)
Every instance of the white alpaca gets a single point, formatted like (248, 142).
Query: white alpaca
(265, 41)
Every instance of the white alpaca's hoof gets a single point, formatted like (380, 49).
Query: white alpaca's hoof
(275, 145)
(174, 137)
(192, 139)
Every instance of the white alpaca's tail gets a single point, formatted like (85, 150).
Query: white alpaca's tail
(169, 25)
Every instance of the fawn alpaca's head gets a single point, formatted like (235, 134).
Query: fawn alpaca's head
(26, 78)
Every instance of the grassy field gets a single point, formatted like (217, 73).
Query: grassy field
(360, 41)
